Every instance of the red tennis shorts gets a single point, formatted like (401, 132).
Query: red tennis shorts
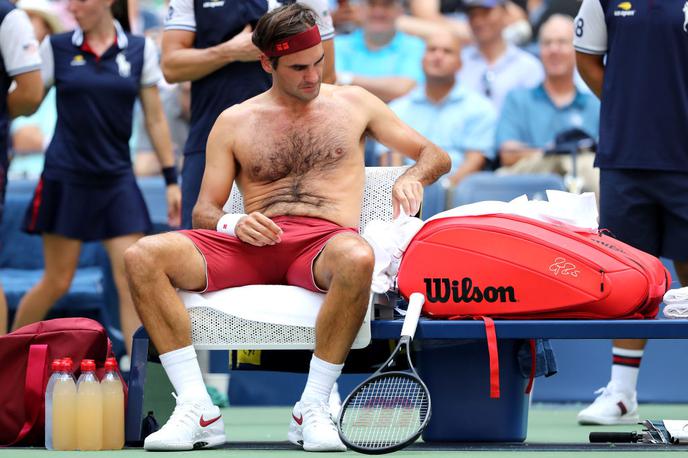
(231, 262)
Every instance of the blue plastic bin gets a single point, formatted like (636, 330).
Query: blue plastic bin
(457, 374)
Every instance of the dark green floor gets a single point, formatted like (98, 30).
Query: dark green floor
(552, 430)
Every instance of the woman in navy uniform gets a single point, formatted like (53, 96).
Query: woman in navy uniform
(88, 190)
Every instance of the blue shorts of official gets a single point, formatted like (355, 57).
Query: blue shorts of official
(647, 209)
(87, 212)
(192, 175)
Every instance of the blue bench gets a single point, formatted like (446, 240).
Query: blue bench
(453, 361)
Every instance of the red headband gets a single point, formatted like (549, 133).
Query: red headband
(295, 43)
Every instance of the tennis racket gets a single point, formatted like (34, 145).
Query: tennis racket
(389, 410)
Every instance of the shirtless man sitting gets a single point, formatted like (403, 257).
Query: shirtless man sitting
(296, 152)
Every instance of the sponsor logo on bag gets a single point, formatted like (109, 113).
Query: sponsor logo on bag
(445, 289)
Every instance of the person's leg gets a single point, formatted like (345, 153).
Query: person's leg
(630, 212)
(344, 268)
(61, 260)
(129, 320)
(155, 266)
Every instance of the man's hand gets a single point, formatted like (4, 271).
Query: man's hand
(407, 195)
(258, 230)
(241, 48)
(174, 205)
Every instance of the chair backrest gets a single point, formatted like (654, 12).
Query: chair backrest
(377, 196)
(490, 186)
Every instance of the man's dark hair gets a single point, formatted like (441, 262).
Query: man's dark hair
(282, 23)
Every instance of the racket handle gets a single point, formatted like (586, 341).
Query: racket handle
(603, 437)
(415, 305)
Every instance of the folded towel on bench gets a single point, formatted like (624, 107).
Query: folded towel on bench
(676, 303)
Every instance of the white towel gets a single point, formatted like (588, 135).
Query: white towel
(676, 303)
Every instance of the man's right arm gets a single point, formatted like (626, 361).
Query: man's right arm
(182, 62)
(220, 170)
(590, 42)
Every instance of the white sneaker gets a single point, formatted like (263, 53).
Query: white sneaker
(191, 426)
(335, 402)
(611, 407)
(313, 428)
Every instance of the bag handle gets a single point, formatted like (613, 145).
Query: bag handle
(33, 389)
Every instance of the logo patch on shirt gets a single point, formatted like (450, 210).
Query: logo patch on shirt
(624, 9)
(170, 13)
(30, 47)
(78, 61)
(214, 4)
(123, 66)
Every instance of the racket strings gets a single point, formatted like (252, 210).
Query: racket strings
(387, 411)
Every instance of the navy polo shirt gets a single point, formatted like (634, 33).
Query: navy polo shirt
(214, 22)
(95, 102)
(18, 54)
(644, 114)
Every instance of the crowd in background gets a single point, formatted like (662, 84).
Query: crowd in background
(458, 71)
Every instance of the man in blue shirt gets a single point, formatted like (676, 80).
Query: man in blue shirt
(643, 150)
(532, 118)
(209, 44)
(21, 90)
(493, 66)
(457, 119)
(378, 57)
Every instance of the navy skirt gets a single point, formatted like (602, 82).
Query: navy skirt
(87, 212)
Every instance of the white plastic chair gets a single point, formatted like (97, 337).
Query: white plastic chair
(278, 316)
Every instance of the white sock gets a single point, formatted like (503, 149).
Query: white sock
(321, 378)
(625, 368)
(182, 368)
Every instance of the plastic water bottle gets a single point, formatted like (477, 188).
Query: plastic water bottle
(63, 419)
(89, 408)
(56, 367)
(70, 371)
(113, 407)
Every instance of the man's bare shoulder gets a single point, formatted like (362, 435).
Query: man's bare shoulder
(240, 111)
(352, 94)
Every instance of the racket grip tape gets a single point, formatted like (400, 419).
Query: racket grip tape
(416, 301)
(603, 437)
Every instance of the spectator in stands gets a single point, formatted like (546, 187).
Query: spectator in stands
(457, 119)
(378, 57)
(22, 90)
(211, 47)
(643, 151)
(493, 67)
(531, 119)
(31, 134)
(88, 190)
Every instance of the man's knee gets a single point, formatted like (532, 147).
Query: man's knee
(353, 255)
(141, 257)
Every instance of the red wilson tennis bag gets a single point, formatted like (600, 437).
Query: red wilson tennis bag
(506, 266)
(26, 354)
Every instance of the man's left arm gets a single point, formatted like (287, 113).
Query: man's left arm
(431, 161)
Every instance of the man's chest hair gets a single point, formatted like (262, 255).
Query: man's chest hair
(296, 151)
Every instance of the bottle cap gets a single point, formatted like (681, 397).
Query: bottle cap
(88, 365)
(67, 364)
(111, 364)
(56, 365)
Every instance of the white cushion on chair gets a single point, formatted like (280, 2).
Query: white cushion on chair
(258, 317)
